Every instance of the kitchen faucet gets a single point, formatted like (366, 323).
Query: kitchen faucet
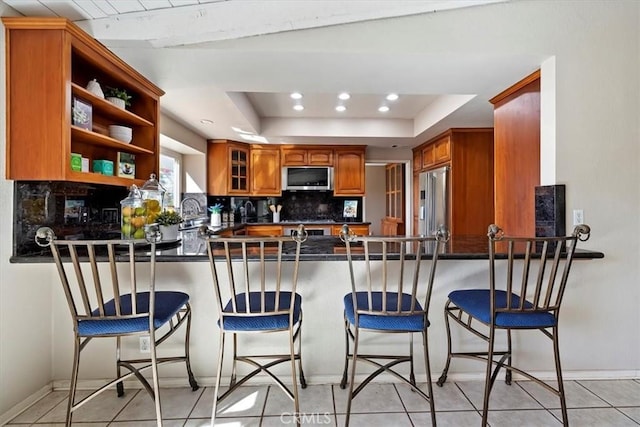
(248, 208)
(190, 208)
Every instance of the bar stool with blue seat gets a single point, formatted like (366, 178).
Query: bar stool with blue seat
(533, 274)
(389, 296)
(101, 305)
(255, 293)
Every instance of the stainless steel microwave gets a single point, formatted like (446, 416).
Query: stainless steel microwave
(307, 178)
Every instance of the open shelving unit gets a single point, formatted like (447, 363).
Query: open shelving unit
(50, 61)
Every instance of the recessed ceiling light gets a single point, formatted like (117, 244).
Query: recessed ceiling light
(383, 109)
(392, 97)
(341, 108)
(344, 96)
(296, 95)
(298, 107)
(206, 121)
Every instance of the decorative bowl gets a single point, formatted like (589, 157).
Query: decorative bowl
(121, 133)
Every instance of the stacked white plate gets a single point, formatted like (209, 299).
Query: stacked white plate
(121, 133)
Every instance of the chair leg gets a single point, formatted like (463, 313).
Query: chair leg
(412, 375)
(74, 381)
(488, 382)
(427, 366)
(303, 381)
(343, 382)
(292, 353)
(218, 378)
(508, 374)
(353, 374)
(232, 381)
(443, 376)
(120, 384)
(192, 380)
(156, 384)
(556, 355)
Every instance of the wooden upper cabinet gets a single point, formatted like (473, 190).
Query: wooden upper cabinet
(307, 156)
(227, 168)
(436, 152)
(265, 171)
(349, 177)
(49, 62)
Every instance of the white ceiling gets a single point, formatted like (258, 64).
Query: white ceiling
(235, 63)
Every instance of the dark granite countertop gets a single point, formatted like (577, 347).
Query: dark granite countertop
(191, 248)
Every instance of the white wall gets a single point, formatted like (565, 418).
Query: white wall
(596, 46)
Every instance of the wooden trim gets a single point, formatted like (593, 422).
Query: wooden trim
(515, 88)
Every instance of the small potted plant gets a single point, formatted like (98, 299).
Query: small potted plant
(168, 222)
(118, 97)
(216, 219)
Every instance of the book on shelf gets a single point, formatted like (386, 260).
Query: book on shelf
(81, 113)
(126, 165)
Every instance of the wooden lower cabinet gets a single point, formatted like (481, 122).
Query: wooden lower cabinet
(263, 230)
(392, 227)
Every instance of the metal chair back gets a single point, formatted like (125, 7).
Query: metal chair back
(534, 268)
(246, 269)
(392, 268)
(88, 289)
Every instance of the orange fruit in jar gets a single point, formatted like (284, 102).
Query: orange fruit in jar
(138, 221)
(127, 211)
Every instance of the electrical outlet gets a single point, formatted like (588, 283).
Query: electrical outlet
(145, 344)
(578, 216)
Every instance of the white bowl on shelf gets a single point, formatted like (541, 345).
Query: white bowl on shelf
(121, 133)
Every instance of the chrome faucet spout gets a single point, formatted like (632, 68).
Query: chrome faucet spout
(190, 208)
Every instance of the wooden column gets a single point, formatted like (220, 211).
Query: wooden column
(517, 155)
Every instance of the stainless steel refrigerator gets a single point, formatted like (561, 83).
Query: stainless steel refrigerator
(434, 200)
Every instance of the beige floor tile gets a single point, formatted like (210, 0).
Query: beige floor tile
(315, 399)
(103, 407)
(447, 419)
(446, 398)
(376, 420)
(615, 392)
(225, 422)
(633, 413)
(247, 401)
(150, 423)
(177, 403)
(577, 396)
(373, 398)
(503, 396)
(41, 407)
(523, 418)
(596, 417)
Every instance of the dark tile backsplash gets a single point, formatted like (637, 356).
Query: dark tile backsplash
(70, 209)
(296, 205)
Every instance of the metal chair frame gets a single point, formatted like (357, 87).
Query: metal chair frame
(87, 291)
(553, 257)
(231, 281)
(393, 250)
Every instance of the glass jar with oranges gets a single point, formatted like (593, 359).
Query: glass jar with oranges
(133, 215)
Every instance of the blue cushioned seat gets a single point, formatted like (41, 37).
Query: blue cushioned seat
(477, 303)
(167, 305)
(413, 323)
(261, 323)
